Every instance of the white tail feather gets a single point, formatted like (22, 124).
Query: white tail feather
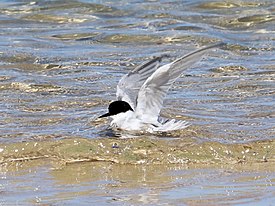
(171, 125)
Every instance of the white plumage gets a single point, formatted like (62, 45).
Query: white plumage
(141, 92)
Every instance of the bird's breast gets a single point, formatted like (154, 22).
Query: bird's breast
(128, 121)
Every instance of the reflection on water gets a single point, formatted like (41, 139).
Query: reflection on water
(60, 62)
(155, 184)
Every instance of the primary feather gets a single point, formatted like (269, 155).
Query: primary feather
(151, 94)
(129, 85)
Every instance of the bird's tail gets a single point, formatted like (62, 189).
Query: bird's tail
(171, 125)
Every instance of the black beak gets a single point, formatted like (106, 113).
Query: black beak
(105, 115)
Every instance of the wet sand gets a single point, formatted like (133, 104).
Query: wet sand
(137, 171)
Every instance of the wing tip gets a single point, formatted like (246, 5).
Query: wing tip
(215, 45)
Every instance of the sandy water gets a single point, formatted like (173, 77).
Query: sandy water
(60, 62)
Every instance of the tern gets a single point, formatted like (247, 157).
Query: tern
(140, 94)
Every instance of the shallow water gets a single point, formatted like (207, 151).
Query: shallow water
(105, 183)
(60, 62)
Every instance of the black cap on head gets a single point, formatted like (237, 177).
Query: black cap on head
(117, 107)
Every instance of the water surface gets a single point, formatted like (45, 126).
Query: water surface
(60, 62)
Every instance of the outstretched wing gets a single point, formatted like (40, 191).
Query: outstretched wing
(152, 93)
(129, 85)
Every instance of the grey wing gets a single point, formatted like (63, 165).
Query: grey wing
(130, 84)
(154, 89)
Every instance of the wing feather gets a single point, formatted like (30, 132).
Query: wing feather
(152, 93)
(129, 85)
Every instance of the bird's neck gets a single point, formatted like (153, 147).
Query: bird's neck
(119, 120)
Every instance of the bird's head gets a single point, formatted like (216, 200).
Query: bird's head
(117, 107)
